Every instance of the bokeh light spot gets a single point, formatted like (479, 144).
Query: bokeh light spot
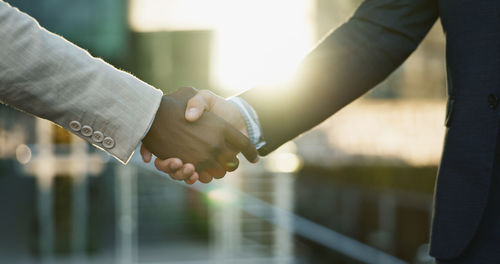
(23, 154)
(222, 196)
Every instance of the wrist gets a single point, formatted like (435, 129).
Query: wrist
(240, 123)
(236, 118)
(154, 127)
(247, 120)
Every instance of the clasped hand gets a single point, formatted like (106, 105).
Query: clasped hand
(192, 145)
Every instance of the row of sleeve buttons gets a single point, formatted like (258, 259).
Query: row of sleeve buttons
(97, 136)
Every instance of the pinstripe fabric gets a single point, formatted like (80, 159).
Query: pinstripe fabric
(45, 75)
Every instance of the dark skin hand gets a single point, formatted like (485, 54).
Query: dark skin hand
(210, 144)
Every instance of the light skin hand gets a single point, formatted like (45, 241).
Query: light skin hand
(207, 101)
(173, 167)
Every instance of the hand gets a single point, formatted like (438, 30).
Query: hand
(205, 100)
(173, 166)
(210, 144)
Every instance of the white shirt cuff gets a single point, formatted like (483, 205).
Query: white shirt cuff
(251, 119)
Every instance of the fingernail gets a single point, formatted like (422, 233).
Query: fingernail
(255, 160)
(192, 113)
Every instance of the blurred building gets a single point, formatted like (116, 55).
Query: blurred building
(360, 185)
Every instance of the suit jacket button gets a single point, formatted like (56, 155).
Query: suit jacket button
(75, 126)
(108, 142)
(493, 101)
(87, 131)
(97, 136)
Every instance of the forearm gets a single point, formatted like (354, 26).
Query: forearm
(346, 64)
(47, 76)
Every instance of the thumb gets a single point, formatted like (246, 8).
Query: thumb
(195, 108)
(146, 154)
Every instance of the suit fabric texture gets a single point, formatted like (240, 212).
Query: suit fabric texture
(364, 51)
(483, 248)
(47, 76)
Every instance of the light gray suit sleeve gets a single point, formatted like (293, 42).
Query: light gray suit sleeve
(47, 76)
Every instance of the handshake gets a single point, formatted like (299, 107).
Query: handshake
(191, 144)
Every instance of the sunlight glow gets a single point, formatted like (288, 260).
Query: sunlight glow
(222, 196)
(257, 41)
(262, 43)
(408, 131)
(284, 159)
(170, 15)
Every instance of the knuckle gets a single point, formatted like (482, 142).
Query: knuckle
(165, 170)
(206, 179)
(193, 102)
(158, 165)
(206, 94)
(220, 175)
(165, 166)
(189, 168)
(218, 172)
(197, 101)
(178, 176)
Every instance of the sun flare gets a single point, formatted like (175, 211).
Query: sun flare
(257, 41)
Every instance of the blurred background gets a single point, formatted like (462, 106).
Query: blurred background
(335, 195)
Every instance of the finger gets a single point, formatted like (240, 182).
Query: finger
(205, 177)
(202, 101)
(228, 161)
(191, 180)
(216, 171)
(195, 108)
(185, 172)
(169, 166)
(236, 139)
(146, 154)
(217, 174)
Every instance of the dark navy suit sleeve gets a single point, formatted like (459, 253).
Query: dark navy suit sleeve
(347, 63)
